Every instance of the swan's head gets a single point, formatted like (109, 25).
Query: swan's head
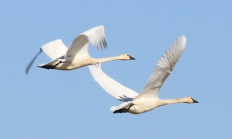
(190, 100)
(127, 57)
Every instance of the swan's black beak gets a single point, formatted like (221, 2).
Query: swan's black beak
(131, 58)
(194, 101)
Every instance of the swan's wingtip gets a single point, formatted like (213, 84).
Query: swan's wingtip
(183, 38)
(26, 72)
(101, 26)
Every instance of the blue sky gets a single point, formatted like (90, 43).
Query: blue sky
(52, 104)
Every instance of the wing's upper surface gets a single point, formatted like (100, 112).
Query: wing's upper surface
(111, 86)
(164, 67)
(95, 36)
(54, 49)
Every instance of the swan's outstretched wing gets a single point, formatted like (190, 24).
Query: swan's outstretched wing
(164, 68)
(95, 36)
(53, 49)
(112, 87)
(32, 61)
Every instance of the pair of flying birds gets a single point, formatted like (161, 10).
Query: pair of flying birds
(77, 56)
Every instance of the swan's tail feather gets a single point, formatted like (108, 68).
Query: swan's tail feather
(123, 108)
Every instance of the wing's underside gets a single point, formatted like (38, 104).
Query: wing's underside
(111, 86)
(54, 49)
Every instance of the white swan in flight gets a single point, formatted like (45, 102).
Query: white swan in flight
(139, 103)
(76, 55)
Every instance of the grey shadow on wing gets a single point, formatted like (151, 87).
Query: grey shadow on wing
(124, 98)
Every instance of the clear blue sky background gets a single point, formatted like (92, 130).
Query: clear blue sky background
(52, 104)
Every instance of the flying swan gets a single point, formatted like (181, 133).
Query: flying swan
(76, 55)
(139, 103)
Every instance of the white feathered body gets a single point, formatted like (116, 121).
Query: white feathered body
(74, 63)
(142, 105)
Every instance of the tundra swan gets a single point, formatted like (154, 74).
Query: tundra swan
(139, 103)
(76, 55)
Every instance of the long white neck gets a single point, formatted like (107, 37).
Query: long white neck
(100, 60)
(173, 101)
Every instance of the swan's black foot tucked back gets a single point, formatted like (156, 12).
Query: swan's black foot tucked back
(50, 66)
(123, 110)
(47, 67)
